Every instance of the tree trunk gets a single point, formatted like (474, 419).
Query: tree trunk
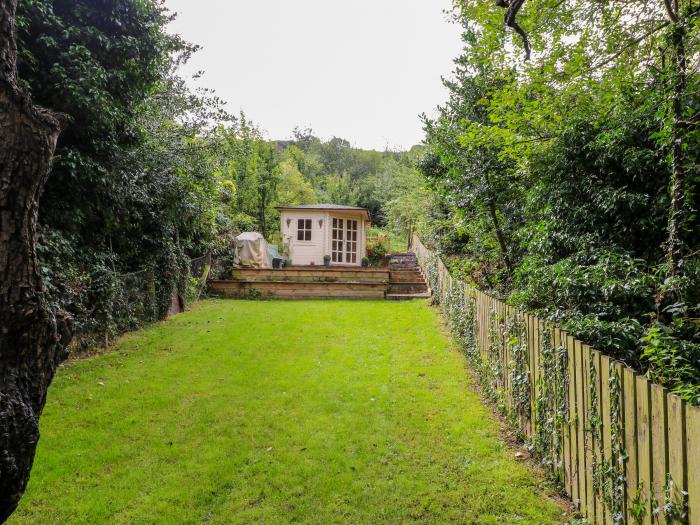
(32, 337)
(677, 212)
(677, 215)
(263, 218)
(501, 238)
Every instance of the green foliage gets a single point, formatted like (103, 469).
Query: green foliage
(553, 179)
(294, 189)
(387, 183)
(251, 168)
(516, 338)
(131, 194)
(609, 480)
(376, 254)
(476, 181)
(552, 406)
(259, 175)
(599, 297)
(95, 62)
(672, 359)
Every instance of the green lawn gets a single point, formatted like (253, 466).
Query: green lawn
(278, 412)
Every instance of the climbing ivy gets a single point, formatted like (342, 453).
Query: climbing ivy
(595, 428)
(552, 407)
(552, 417)
(430, 264)
(613, 470)
(519, 369)
(674, 511)
(608, 475)
(460, 309)
(492, 363)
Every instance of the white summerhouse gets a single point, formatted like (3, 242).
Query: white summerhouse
(310, 232)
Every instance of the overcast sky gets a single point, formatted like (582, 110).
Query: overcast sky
(362, 69)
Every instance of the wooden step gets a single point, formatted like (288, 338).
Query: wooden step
(405, 275)
(403, 260)
(414, 287)
(298, 289)
(312, 274)
(407, 296)
(404, 266)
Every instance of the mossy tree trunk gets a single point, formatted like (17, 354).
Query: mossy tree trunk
(33, 337)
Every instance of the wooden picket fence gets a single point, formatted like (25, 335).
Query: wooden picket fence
(625, 450)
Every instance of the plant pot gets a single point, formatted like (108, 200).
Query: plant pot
(326, 263)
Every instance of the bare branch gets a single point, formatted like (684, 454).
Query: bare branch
(513, 7)
(629, 46)
(671, 12)
(511, 22)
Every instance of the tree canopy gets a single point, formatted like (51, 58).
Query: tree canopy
(566, 161)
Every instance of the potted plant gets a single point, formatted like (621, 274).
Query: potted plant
(365, 262)
(326, 260)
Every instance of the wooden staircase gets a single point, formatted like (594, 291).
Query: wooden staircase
(406, 281)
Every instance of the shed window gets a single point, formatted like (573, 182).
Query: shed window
(303, 229)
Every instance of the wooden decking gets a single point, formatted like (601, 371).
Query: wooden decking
(314, 274)
(306, 282)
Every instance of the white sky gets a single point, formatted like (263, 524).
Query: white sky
(359, 69)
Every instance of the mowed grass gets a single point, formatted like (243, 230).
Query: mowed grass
(328, 412)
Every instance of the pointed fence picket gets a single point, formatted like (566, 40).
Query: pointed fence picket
(625, 450)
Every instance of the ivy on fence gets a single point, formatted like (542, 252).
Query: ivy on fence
(570, 403)
(552, 406)
(519, 368)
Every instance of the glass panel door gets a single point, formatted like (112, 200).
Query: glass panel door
(338, 235)
(344, 240)
(351, 242)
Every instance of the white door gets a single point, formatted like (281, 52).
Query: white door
(344, 241)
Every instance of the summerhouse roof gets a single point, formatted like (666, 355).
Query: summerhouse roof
(327, 207)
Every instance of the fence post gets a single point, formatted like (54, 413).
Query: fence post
(630, 426)
(693, 446)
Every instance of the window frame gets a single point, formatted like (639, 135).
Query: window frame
(308, 228)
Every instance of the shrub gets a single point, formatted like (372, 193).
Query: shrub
(376, 254)
(672, 359)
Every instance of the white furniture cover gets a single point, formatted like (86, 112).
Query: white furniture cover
(250, 251)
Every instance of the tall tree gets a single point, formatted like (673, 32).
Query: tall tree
(32, 336)
(679, 18)
(472, 173)
(586, 137)
(607, 47)
(131, 187)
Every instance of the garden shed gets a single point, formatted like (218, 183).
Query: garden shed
(310, 232)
